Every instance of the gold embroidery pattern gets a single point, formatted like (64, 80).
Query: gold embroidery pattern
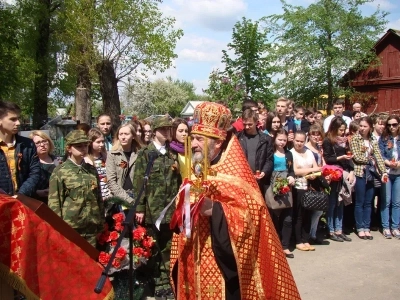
(263, 269)
(211, 119)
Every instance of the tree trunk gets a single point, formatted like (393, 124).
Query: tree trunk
(41, 85)
(329, 78)
(109, 92)
(83, 112)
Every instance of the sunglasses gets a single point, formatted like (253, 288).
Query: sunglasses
(315, 133)
(393, 124)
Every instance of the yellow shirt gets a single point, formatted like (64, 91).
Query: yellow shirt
(182, 168)
(9, 153)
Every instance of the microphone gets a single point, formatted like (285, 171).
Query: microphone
(152, 157)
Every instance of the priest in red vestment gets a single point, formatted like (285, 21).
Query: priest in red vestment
(233, 251)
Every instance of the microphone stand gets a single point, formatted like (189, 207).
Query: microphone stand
(128, 226)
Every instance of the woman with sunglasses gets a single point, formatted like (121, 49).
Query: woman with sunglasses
(335, 149)
(315, 137)
(389, 145)
(368, 163)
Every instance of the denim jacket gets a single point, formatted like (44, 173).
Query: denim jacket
(386, 145)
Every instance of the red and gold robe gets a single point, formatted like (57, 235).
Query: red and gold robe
(262, 266)
(41, 263)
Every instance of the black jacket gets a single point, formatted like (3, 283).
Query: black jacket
(331, 153)
(264, 155)
(27, 168)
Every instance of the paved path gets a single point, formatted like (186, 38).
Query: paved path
(360, 269)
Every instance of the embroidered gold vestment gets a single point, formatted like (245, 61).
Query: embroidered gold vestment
(262, 266)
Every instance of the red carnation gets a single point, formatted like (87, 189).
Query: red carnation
(148, 242)
(118, 226)
(104, 258)
(119, 217)
(116, 263)
(138, 251)
(113, 243)
(285, 190)
(146, 254)
(139, 233)
(121, 252)
(113, 236)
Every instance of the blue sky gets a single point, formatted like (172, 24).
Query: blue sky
(207, 26)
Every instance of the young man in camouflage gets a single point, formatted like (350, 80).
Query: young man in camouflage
(74, 191)
(162, 187)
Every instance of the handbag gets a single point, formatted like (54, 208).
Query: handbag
(278, 201)
(315, 200)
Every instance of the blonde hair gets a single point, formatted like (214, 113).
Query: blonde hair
(44, 136)
(136, 142)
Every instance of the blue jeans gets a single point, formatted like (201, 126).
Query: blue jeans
(364, 191)
(335, 210)
(314, 223)
(391, 200)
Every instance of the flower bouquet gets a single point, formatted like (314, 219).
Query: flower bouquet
(334, 172)
(142, 245)
(281, 186)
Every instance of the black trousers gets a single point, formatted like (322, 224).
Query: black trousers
(282, 219)
(301, 218)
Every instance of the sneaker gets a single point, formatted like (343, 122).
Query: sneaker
(396, 234)
(386, 233)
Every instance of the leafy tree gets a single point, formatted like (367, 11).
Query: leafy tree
(16, 63)
(154, 98)
(78, 19)
(187, 86)
(250, 63)
(8, 52)
(316, 45)
(229, 88)
(42, 18)
(133, 36)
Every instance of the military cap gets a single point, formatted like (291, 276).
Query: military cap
(160, 122)
(76, 137)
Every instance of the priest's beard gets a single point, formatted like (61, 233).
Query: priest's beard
(198, 156)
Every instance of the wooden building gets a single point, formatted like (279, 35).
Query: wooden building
(378, 86)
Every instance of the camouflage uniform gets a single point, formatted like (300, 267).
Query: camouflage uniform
(162, 187)
(74, 194)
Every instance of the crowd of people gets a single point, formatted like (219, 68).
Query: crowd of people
(289, 143)
(364, 148)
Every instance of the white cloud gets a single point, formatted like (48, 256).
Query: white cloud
(383, 4)
(218, 15)
(200, 84)
(195, 55)
(197, 48)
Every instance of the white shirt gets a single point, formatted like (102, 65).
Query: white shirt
(395, 155)
(302, 163)
(160, 148)
(328, 121)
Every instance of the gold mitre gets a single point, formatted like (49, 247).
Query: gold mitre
(211, 119)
